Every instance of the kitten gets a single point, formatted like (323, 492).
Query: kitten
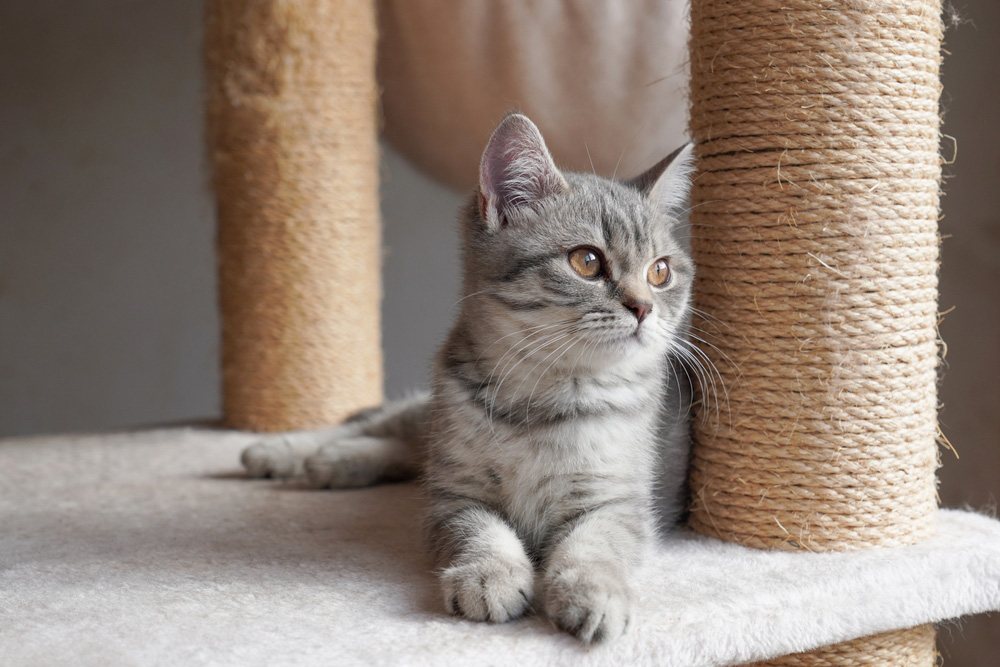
(556, 404)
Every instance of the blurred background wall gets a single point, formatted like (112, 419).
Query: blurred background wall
(107, 286)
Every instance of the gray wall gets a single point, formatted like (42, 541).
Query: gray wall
(107, 295)
(106, 312)
(107, 286)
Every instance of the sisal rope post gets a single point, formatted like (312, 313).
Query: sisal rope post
(291, 124)
(814, 226)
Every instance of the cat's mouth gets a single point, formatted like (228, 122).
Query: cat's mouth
(641, 336)
(619, 336)
(634, 337)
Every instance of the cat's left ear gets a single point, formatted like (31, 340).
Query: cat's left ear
(668, 183)
(516, 172)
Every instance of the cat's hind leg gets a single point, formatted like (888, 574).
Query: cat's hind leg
(281, 455)
(361, 461)
(378, 444)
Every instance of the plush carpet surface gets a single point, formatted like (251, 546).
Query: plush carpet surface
(150, 548)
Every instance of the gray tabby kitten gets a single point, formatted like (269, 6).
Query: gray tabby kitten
(555, 404)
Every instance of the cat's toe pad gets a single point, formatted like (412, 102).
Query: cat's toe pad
(592, 603)
(269, 460)
(488, 589)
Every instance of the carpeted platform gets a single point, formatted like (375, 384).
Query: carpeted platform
(150, 548)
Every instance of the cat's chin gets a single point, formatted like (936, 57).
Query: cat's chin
(632, 348)
(637, 338)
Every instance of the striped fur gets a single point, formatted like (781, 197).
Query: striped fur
(555, 412)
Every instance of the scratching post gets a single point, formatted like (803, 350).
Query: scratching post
(292, 136)
(815, 233)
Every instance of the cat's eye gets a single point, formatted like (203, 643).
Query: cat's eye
(586, 262)
(659, 273)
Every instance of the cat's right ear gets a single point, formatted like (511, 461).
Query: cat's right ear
(516, 172)
(668, 183)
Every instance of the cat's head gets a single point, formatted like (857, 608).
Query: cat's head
(551, 253)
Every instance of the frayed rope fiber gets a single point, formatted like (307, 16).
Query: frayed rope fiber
(814, 227)
(291, 118)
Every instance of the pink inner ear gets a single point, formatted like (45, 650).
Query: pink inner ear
(516, 169)
(482, 205)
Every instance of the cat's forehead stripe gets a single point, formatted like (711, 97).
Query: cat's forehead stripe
(624, 229)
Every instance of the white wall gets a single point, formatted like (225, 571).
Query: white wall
(107, 290)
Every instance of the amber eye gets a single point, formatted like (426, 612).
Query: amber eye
(659, 273)
(586, 262)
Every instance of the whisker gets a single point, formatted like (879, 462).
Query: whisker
(673, 377)
(527, 408)
(551, 338)
(542, 337)
(726, 357)
(469, 296)
(704, 381)
(534, 329)
(691, 208)
(631, 140)
(709, 317)
(705, 362)
(587, 148)
(496, 394)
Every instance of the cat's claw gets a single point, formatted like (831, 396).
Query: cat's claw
(488, 589)
(592, 605)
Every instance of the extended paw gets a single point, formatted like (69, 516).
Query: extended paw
(488, 589)
(592, 602)
(265, 459)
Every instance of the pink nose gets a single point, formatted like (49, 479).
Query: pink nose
(640, 309)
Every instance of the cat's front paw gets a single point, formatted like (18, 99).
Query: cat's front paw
(488, 589)
(592, 602)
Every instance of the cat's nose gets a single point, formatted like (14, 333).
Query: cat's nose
(640, 309)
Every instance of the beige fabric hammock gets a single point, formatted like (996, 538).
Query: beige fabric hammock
(604, 80)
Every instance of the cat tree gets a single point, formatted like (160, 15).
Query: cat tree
(815, 233)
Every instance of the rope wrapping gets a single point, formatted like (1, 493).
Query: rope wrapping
(814, 228)
(291, 124)
(912, 646)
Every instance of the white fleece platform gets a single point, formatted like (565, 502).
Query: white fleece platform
(149, 548)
